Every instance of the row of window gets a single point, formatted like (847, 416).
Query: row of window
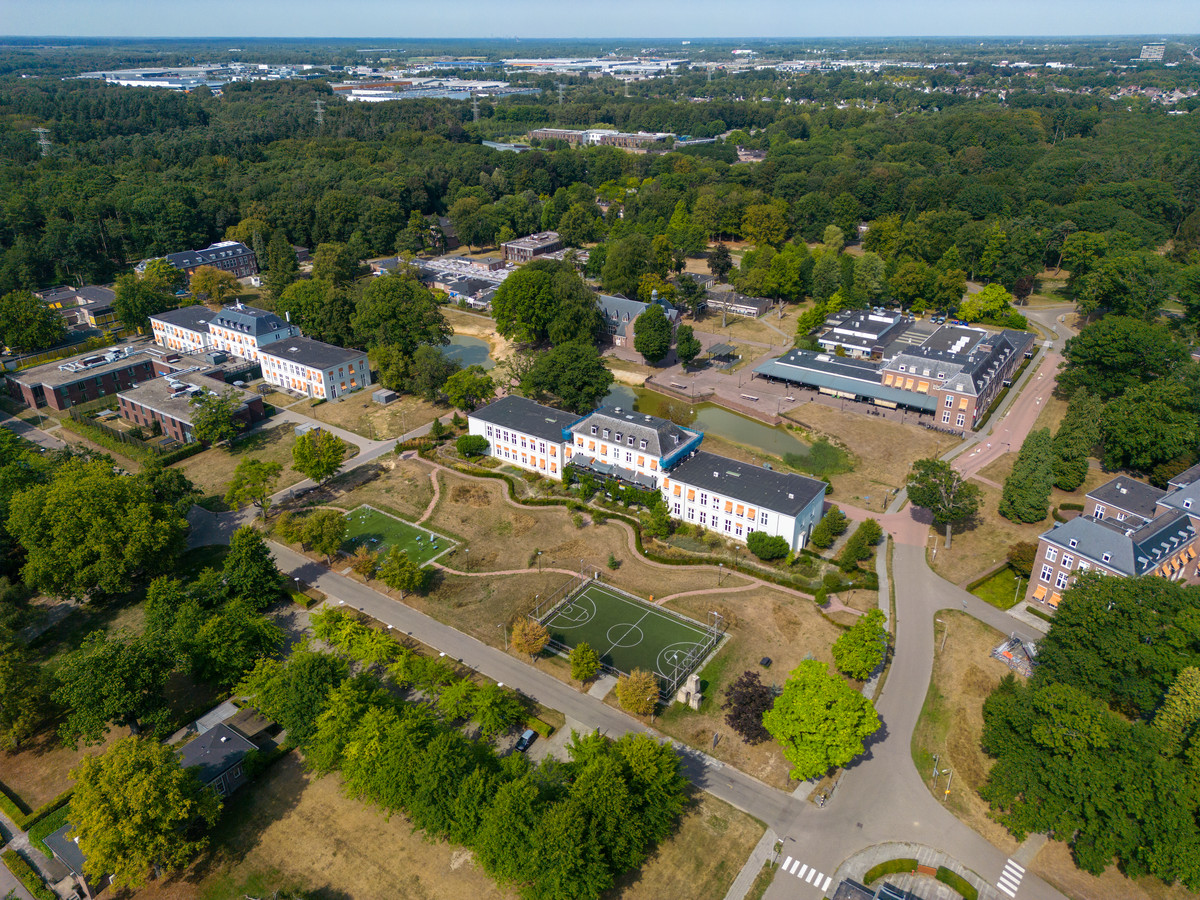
(960, 420)
(629, 439)
(532, 462)
(500, 434)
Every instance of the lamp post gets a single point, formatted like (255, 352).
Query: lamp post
(505, 627)
(720, 573)
(539, 558)
(466, 559)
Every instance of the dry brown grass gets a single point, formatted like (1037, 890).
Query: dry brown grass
(884, 451)
(305, 829)
(705, 854)
(40, 770)
(1054, 864)
(760, 330)
(212, 470)
(982, 544)
(360, 414)
(951, 722)
(403, 488)
(762, 622)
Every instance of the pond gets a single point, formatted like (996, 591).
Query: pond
(709, 418)
(469, 351)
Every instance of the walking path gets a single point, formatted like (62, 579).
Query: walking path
(437, 495)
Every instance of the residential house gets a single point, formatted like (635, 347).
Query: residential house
(620, 315)
(90, 306)
(217, 755)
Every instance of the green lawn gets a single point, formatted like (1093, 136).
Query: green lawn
(1000, 590)
(379, 531)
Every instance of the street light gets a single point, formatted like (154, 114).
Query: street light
(720, 573)
(539, 558)
(505, 627)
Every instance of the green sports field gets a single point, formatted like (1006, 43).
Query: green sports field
(379, 531)
(629, 634)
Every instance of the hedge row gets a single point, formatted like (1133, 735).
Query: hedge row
(131, 451)
(22, 817)
(27, 876)
(1037, 612)
(956, 882)
(49, 824)
(889, 867)
(545, 729)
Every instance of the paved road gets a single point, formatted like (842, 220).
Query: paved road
(30, 433)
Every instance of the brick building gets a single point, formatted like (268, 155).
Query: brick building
(230, 256)
(522, 250)
(167, 401)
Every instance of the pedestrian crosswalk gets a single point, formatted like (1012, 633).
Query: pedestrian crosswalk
(819, 880)
(1010, 878)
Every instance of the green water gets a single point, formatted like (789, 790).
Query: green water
(469, 351)
(709, 418)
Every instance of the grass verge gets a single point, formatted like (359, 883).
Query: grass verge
(762, 881)
(999, 589)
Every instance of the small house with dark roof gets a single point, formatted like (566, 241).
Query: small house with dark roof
(66, 851)
(525, 434)
(1124, 500)
(229, 256)
(217, 756)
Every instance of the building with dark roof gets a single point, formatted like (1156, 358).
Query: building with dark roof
(524, 249)
(168, 402)
(1127, 529)
(652, 453)
(314, 368)
(863, 333)
(217, 756)
(90, 306)
(245, 330)
(229, 256)
(524, 433)
(620, 314)
(955, 374)
(66, 851)
(185, 329)
(737, 304)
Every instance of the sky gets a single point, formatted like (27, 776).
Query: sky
(593, 18)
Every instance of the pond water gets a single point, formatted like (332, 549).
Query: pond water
(469, 351)
(709, 418)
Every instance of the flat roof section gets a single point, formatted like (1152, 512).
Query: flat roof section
(171, 395)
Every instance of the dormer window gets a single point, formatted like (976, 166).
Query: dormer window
(618, 437)
(642, 446)
(593, 429)
(606, 434)
(630, 441)
(1106, 557)
(1073, 542)
(901, 367)
(1187, 504)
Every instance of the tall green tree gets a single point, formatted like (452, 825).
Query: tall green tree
(627, 260)
(820, 721)
(27, 324)
(294, 692)
(1149, 425)
(1077, 435)
(400, 312)
(318, 454)
(573, 373)
(249, 568)
(401, 573)
(280, 264)
(23, 700)
(859, 651)
(137, 299)
(253, 482)
(934, 485)
(469, 387)
(324, 531)
(133, 809)
(213, 416)
(336, 263)
(687, 346)
(1115, 353)
(652, 334)
(1026, 495)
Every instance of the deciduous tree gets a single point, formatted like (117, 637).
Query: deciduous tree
(27, 324)
(1026, 496)
(318, 454)
(213, 284)
(585, 662)
(401, 573)
(860, 650)
(652, 334)
(469, 387)
(399, 312)
(324, 531)
(213, 414)
(249, 569)
(934, 485)
(133, 809)
(687, 346)
(573, 372)
(529, 636)
(746, 701)
(820, 721)
(637, 692)
(253, 481)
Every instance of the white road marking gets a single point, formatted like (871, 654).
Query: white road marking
(787, 862)
(813, 874)
(1010, 878)
(803, 869)
(794, 867)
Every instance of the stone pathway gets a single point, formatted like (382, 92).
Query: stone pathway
(762, 853)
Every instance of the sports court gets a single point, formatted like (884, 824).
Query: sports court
(377, 530)
(631, 634)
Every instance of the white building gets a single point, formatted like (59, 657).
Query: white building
(650, 453)
(243, 330)
(185, 329)
(525, 434)
(314, 368)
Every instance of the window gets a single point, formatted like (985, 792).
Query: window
(762, 518)
(629, 441)
(676, 507)
(642, 445)
(703, 498)
(1068, 561)
(1073, 542)
(593, 429)
(1120, 517)
(642, 461)
(961, 420)
(728, 525)
(1051, 554)
(946, 418)
(949, 401)
(617, 437)
(1098, 512)
(606, 434)
(489, 431)
(628, 457)
(692, 513)
(703, 517)
(1061, 581)
(738, 530)
(1047, 573)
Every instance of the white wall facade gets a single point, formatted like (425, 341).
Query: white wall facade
(332, 381)
(522, 450)
(603, 446)
(239, 343)
(734, 518)
(176, 337)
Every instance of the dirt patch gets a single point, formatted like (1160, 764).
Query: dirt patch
(40, 770)
(951, 723)
(403, 487)
(212, 470)
(1054, 864)
(471, 495)
(360, 414)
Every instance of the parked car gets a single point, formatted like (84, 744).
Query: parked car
(526, 739)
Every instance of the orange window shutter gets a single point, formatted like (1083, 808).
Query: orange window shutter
(887, 379)
(962, 404)
(923, 386)
(641, 460)
(591, 446)
(908, 385)
(677, 491)
(1040, 592)
(691, 494)
(654, 465)
(728, 506)
(741, 510)
(604, 449)
(751, 512)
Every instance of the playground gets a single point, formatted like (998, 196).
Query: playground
(629, 633)
(367, 526)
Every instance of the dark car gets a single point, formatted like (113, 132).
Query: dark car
(526, 739)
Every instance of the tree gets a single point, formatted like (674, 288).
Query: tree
(580, 224)
(910, 283)
(336, 263)
(215, 284)
(832, 525)
(324, 531)
(1128, 283)
(280, 263)
(115, 680)
(1026, 496)
(401, 573)
(1077, 435)
(861, 649)
(27, 324)
(820, 721)
(765, 224)
(687, 346)
(530, 636)
(766, 546)
(628, 259)
(992, 302)
(364, 562)
(1117, 352)
(229, 643)
(935, 486)
(136, 300)
(318, 454)
(88, 532)
(746, 701)
(870, 277)
(163, 276)
(250, 570)
(572, 372)
(1021, 557)
(637, 692)
(253, 482)
(652, 334)
(1149, 425)
(496, 710)
(469, 387)
(22, 694)
(719, 261)
(213, 416)
(826, 277)
(585, 662)
(134, 809)
(294, 692)
(471, 445)
(400, 312)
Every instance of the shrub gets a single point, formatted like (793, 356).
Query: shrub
(1021, 556)
(889, 867)
(766, 546)
(48, 825)
(956, 882)
(27, 876)
(545, 729)
(1026, 496)
(471, 445)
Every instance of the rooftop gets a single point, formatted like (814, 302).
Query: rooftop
(77, 368)
(171, 395)
(1128, 495)
(214, 752)
(308, 352)
(1131, 551)
(781, 492)
(662, 436)
(249, 320)
(190, 259)
(527, 417)
(65, 849)
(534, 241)
(194, 318)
